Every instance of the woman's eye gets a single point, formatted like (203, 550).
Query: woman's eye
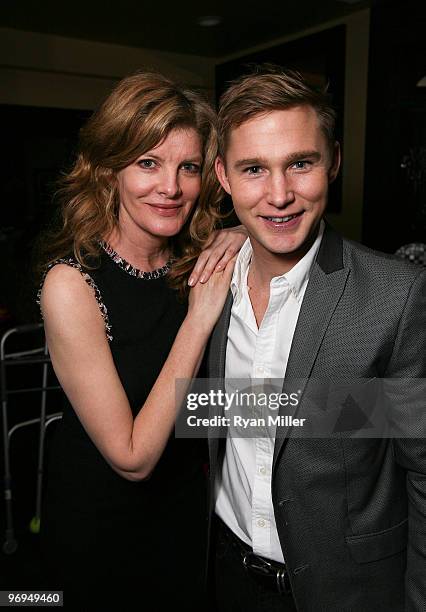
(190, 167)
(147, 164)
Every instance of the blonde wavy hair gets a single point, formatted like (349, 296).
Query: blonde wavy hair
(137, 116)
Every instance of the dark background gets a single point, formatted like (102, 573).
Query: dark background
(39, 143)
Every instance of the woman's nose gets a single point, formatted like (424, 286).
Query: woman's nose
(168, 184)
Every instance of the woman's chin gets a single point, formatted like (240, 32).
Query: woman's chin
(167, 228)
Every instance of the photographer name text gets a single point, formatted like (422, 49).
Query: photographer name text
(244, 422)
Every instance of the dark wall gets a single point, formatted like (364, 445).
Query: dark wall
(395, 161)
(37, 144)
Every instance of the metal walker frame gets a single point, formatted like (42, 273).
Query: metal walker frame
(32, 356)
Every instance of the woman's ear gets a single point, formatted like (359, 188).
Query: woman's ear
(220, 169)
(335, 164)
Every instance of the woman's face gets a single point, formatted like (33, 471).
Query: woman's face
(158, 190)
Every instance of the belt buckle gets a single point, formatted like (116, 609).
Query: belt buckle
(283, 582)
(263, 567)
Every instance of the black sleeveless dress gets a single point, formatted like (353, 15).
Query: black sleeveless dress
(107, 539)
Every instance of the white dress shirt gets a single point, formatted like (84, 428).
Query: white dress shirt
(243, 488)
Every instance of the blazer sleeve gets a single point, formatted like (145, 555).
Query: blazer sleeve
(408, 364)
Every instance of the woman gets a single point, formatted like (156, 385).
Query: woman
(124, 518)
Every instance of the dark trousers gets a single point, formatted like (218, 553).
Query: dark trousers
(235, 589)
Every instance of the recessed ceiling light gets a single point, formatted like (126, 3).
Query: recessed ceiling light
(209, 20)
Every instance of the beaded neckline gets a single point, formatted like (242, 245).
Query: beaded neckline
(127, 267)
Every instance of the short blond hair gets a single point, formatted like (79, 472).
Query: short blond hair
(270, 88)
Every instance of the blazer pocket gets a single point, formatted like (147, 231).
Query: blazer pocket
(378, 545)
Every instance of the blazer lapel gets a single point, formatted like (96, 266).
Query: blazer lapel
(216, 370)
(218, 340)
(326, 284)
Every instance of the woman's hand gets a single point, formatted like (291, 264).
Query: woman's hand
(220, 249)
(206, 300)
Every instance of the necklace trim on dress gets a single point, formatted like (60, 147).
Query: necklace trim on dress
(127, 267)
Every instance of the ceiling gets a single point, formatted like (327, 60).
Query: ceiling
(173, 27)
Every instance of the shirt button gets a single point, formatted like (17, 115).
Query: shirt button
(262, 469)
(259, 370)
(261, 523)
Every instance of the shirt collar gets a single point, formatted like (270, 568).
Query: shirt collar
(297, 278)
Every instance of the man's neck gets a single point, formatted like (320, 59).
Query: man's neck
(266, 265)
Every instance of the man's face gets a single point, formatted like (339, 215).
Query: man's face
(277, 170)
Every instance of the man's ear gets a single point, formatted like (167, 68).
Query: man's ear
(335, 164)
(219, 166)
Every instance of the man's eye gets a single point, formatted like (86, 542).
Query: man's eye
(301, 165)
(253, 170)
(147, 164)
(191, 168)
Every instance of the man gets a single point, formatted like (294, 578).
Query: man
(334, 523)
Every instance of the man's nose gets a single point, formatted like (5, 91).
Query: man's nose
(280, 192)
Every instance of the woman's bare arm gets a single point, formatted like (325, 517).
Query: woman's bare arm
(83, 363)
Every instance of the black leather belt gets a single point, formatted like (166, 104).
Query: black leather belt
(271, 574)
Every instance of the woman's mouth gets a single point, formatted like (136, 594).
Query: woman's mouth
(166, 211)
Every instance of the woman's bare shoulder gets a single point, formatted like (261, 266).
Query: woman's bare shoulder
(65, 283)
(69, 292)
(66, 292)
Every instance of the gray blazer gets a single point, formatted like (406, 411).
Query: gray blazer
(350, 513)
